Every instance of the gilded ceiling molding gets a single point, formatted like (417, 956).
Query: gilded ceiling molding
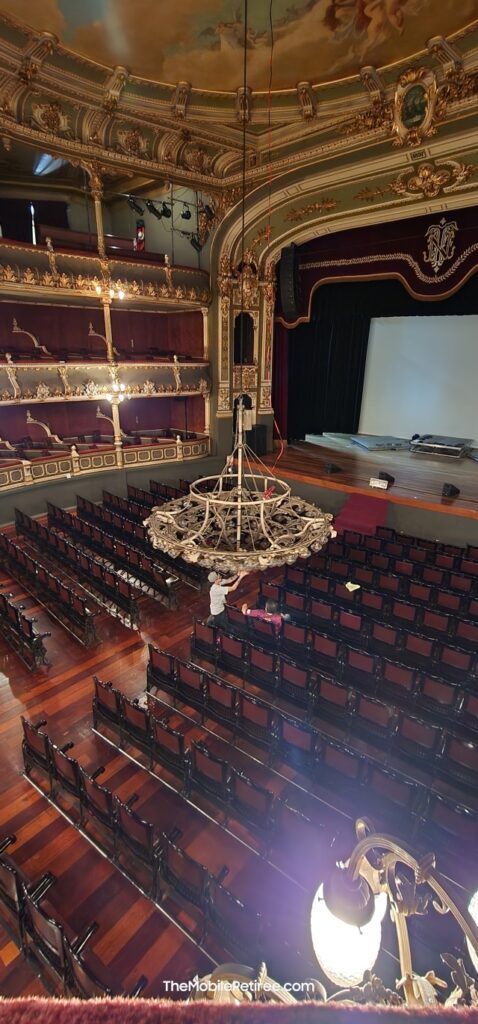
(296, 216)
(427, 180)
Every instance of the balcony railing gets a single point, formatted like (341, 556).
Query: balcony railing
(25, 473)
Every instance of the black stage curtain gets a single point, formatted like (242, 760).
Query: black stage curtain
(327, 355)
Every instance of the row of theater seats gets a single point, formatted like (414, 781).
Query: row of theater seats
(432, 648)
(172, 870)
(390, 722)
(20, 634)
(130, 507)
(293, 670)
(61, 600)
(127, 528)
(197, 766)
(428, 580)
(42, 939)
(111, 587)
(446, 557)
(386, 534)
(382, 789)
(452, 608)
(158, 494)
(138, 566)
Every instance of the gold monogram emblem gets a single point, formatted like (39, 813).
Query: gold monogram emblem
(441, 243)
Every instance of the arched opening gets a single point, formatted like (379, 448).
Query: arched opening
(243, 339)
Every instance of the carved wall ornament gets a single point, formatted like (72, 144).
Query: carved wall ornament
(378, 117)
(132, 142)
(114, 87)
(372, 82)
(196, 158)
(246, 281)
(149, 387)
(445, 52)
(42, 391)
(13, 379)
(440, 239)
(181, 99)
(50, 117)
(266, 396)
(427, 179)
(296, 215)
(414, 113)
(63, 374)
(307, 102)
(177, 373)
(243, 104)
(459, 85)
(430, 179)
(224, 399)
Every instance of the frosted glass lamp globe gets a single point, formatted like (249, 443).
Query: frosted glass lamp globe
(344, 951)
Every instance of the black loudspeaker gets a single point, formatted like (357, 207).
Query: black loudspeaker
(450, 491)
(388, 477)
(330, 467)
(258, 436)
(290, 284)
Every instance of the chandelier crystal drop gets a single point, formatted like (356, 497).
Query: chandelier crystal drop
(243, 519)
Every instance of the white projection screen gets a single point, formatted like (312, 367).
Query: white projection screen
(421, 377)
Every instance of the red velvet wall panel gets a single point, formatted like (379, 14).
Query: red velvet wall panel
(164, 332)
(68, 419)
(149, 413)
(57, 327)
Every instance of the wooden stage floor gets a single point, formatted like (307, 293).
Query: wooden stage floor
(418, 478)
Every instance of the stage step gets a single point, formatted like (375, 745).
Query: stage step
(362, 513)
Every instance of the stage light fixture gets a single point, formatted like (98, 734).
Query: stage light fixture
(166, 210)
(186, 214)
(151, 208)
(134, 205)
(450, 491)
(194, 240)
(208, 210)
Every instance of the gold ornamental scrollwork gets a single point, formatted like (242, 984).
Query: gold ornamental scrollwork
(429, 179)
(426, 180)
(378, 117)
(297, 215)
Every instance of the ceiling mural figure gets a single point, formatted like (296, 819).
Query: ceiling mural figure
(200, 41)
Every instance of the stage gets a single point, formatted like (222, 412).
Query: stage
(418, 478)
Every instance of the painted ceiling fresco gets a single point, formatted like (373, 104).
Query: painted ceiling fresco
(200, 41)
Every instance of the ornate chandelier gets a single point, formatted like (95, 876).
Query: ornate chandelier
(244, 518)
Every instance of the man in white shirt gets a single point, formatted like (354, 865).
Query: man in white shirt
(217, 596)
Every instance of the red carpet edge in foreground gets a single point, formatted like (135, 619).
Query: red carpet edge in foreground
(138, 1011)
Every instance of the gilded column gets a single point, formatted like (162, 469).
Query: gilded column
(205, 336)
(106, 303)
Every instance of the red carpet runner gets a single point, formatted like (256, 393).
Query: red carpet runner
(362, 513)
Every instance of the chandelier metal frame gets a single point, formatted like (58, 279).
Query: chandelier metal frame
(243, 519)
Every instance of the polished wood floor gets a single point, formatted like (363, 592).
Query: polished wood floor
(134, 935)
(418, 478)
